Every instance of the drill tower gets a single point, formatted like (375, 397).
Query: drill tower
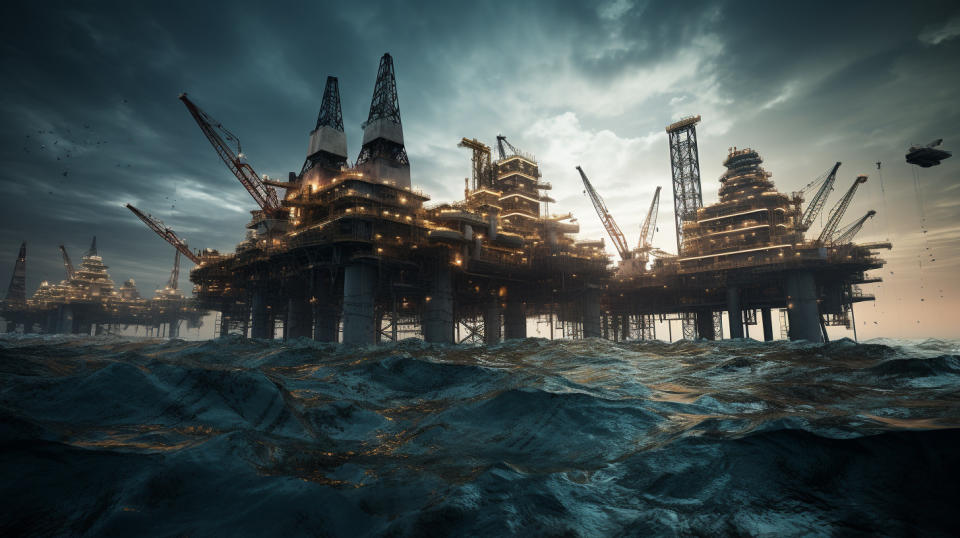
(383, 154)
(17, 291)
(327, 153)
(685, 169)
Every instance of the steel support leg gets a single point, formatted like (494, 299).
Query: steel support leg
(260, 322)
(438, 315)
(514, 318)
(299, 317)
(591, 313)
(359, 287)
(734, 315)
(802, 309)
(491, 323)
(704, 320)
(767, 321)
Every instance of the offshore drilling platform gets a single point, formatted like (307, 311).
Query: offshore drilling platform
(88, 302)
(354, 254)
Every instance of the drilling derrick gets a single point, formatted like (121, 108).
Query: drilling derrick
(17, 292)
(327, 153)
(383, 155)
(685, 168)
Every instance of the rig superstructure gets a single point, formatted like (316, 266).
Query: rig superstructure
(355, 250)
(748, 252)
(354, 253)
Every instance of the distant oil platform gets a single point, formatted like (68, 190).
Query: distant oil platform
(88, 302)
(353, 253)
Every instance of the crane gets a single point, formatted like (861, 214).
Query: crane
(838, 210)
(650, 224)
(264, 195)
(482, 168)
(619, 241)
(846, 234)
(166, 233)
(816, 204)
(501, 140)
(67, 264)
(174, 281)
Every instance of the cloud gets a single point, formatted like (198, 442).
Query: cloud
(940, 33)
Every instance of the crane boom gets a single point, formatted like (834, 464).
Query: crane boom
(650, 222)
(265, 196)
(166, 233)
(482, 168)
(819, 199)
(847, 233)
(619, 241)
(838, 210)
(67, 264)
(174, 281)
(501, 140)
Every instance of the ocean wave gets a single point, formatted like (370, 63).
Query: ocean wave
(114, 435)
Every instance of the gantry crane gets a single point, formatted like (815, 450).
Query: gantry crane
(67, 264)
(820, 199)
(166, 233)
(264, 195)
(847, 233)
(619, 241)
(837, 212)
(649, 227)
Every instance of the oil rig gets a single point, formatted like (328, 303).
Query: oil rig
(87, 301)
(353, 253)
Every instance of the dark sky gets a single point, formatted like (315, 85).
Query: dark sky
(91, 120)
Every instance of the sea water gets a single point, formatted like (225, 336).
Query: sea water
(235, 437)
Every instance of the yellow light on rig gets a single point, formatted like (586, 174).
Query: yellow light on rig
(403, 199)
(458, 262)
